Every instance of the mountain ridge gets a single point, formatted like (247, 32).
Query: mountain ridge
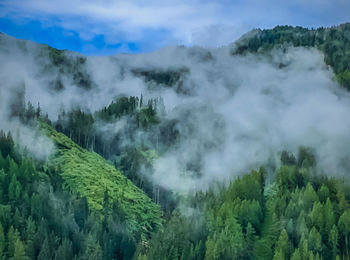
(333, 42)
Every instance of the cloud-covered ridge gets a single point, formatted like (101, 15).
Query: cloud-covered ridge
(233, 113)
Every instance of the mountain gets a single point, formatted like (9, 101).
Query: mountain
(334, 42)
(238, 152)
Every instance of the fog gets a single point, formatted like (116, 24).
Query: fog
(234, 113)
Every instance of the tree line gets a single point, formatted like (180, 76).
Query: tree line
(300, 215)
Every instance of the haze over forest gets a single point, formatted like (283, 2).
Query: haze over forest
(235, 152)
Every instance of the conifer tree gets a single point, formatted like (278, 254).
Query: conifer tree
(2, 243)
(19, 253)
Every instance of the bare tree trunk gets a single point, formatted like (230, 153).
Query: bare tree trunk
(158, 195)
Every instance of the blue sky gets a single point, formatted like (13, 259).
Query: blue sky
(104, 27)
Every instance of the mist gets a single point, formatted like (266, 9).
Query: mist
(233, 113)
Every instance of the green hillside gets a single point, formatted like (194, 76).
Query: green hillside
(300, 215)
(89, 175)
(334, 42)
(157, 171)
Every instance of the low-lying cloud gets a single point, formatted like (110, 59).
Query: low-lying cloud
(233, 113)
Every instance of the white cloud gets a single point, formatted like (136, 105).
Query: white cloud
(209, 23)
(242, 111)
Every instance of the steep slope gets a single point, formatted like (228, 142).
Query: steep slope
(89, 175)
(334, 42)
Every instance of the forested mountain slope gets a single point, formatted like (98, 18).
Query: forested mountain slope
(301, 215)
(44, 214)
(334, 42)
(89, 175)
(239, 152)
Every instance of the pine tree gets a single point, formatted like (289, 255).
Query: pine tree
(317, 215)
(333, 240)
(309, 197)
(45, 252)
(329, 218)
(2, 243)
(279, 255)
(19, 253)
(315, 240)
(17, 219)
(288, 158)
(93, 249)
(301, 226)
(64, 251)
(3, 185)
(283, 245)
(323, 193)
(296, 255)
(343, 203)
(211, 252)
(249, 240)
(14, 189)
(303, 247)
(29, 238)
(12, 237)
(344, 227)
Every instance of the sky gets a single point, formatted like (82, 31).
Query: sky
(105, 27)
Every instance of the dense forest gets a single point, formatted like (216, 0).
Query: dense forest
(300, 215)
(42, 220)
(99, 195)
